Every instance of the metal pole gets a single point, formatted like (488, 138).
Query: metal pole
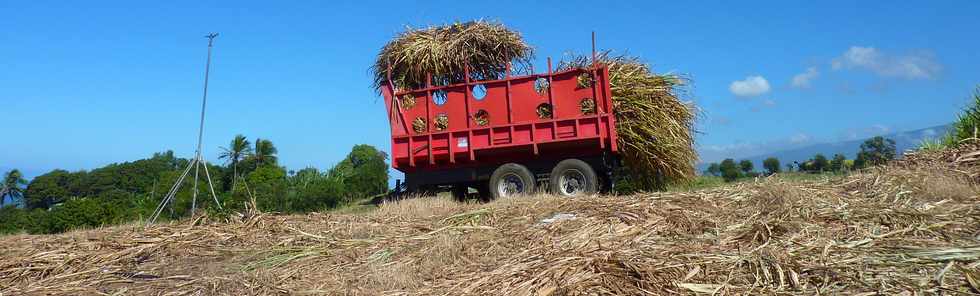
(210, 185)
(200, 130)
(170, 194)
(593, 50)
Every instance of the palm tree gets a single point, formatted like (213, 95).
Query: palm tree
(235, 153)
(264, 153)
(13, 182)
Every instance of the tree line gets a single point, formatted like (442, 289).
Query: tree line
(60, 200)
(875, 151)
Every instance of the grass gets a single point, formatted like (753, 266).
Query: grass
(698, 183)
(798, 176)
(360, 206)
(938, 144)
(967, 124)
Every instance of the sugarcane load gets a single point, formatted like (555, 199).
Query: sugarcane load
(467, 110)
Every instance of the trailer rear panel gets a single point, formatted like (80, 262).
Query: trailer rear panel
(485, 123)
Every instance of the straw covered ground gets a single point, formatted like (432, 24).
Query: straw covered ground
(912, 228)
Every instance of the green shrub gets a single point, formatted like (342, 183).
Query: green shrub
(729, 170)
(13, 220)
(319, 194)
(875, 151)
(771, 165)
(268, 183)
(967, 124)
(87, 212)
(363, 172)
(933, 144)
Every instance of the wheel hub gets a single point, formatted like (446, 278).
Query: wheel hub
(510, 185)
(572, 182)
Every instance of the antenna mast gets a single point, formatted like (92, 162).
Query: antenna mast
(198, 154)
(200, 130)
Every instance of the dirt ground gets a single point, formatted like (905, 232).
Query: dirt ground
(908, 229)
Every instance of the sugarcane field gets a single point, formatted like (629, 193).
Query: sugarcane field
(511, 148)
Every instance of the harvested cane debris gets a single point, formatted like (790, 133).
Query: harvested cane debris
(909, 228)
(408, 101)
(655, 127)
(419, 125)
(482, 118)
(445, 51)
(441, 122)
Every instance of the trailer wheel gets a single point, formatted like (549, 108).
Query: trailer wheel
(484, 192)
(459, 192)
(511, 179)
(573, 177)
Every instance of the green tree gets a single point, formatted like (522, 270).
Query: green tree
(264, 153)
(802, 166)
(13, 186)
(268, 183)
(771, 165)
(50, 188)
(837, 164)
(316, 191)
(875, 151)
(820, 163)
(304, 177)
(87, 212)
(746, 166)
(134, 176)
(364, 171)
(18, 220)
(729, 170)
(60, 200)
(713, 169)
(236, 151)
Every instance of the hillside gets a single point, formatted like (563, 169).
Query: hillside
(903, 141)
(911, 227)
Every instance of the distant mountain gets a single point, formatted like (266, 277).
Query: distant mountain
(903, 141)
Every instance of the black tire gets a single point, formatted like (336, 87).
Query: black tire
(520, 179)
(484, 192)
(580, 179)
(460, 192)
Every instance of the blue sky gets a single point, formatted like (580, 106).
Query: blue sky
(84, 84)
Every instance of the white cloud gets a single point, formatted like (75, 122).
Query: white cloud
(750, 87)
(768, 103)
(879, 129)
(865, 132)
(730, 147)
(911, 66)
(857, 56)
(799, 138)
(802, 80)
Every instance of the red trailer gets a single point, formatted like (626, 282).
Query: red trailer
(508, 136)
